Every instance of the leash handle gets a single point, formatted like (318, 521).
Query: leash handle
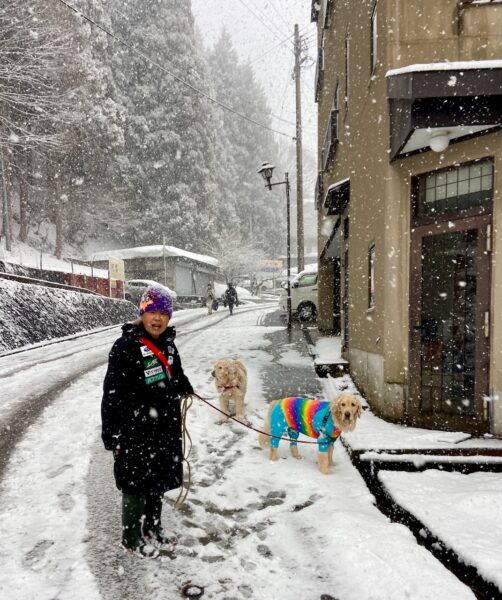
(277, 437)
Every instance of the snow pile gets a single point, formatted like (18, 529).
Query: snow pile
(33, 313)
(28, 257)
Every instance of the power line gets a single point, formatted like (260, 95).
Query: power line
(164, 70)
(270, 20)
(279, 13)
(271, 49)
(259, 18)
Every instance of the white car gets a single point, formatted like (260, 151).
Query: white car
(134, 288)
(303, 296)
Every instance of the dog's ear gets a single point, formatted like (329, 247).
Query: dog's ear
(334, 407)
(359, 409)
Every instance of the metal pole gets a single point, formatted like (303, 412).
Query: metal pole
(164, 257)
(288, 211)
(5, 205)
(299, 163)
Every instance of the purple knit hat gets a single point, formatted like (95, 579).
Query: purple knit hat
(158, 298)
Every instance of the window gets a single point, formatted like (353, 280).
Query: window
(307, 280)
(335, 111)
(319, 71)
(328, 10)
(346, 57)
(374, 37)
(454, 190)
(331, 135)
(371, 276)
(319, 189)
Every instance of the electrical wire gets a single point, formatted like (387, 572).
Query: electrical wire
(279, 13)
(271, 50)
(270, 20)
(260, 19)
(164, 70)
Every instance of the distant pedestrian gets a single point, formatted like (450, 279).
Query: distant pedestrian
(141, 420)
(210, 297)
(231, 298)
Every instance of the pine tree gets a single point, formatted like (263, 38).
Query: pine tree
(260, 214)
(170, 133)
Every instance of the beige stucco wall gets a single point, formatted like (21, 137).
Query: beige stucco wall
(380, 194)
(423, 31)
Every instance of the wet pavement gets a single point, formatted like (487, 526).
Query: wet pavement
(282, 378)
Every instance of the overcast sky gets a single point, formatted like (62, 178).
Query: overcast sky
(258, 27)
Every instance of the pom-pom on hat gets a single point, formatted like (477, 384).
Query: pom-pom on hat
(158, 298)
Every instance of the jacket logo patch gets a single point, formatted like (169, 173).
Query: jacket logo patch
(155, 378)
(154, 375)
(151, 362)
(145, 351)
(154, 371)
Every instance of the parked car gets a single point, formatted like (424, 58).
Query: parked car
(134, 288)
(303, 296)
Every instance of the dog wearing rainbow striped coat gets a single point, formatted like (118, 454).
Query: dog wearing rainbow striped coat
(316, 418)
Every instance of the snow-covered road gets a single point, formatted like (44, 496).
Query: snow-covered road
(249, 529)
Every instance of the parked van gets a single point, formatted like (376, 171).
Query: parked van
(303, 295)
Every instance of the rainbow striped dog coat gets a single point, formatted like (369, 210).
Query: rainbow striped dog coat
(303, 415)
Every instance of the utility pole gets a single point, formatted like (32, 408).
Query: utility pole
(299, 164)
(6, 217)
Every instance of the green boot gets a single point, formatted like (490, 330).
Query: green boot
(133, 514)
(152, 527)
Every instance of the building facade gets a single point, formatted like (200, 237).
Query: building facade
(185, 272)
(409, 204)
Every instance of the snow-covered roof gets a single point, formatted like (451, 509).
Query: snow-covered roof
(337, 184)
(462, 65)
(153, 252)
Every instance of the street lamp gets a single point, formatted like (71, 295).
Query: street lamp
(266, 170)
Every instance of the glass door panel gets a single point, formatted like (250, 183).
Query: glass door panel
(448, 322)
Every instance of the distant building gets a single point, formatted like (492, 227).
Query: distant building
(185, 272)
(409, 204)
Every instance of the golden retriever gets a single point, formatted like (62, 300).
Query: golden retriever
(315, 418)
(230, 379)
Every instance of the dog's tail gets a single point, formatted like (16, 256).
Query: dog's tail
(263, 438)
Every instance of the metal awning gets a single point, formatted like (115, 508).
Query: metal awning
(337, 197)
(457, 99)
(331, 248)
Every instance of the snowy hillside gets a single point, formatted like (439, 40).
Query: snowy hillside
(33, 313)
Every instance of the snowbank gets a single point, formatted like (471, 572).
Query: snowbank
(34, 313)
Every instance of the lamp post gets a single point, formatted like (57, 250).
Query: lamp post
(266, 171)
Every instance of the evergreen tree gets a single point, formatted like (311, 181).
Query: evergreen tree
(260, 213)
(170, 133)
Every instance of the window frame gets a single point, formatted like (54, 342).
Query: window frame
(374, 37)
(418, 219)
(346, 62)
(371, 276)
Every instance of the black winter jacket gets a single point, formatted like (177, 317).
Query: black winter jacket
(141, 415)
(231, 296)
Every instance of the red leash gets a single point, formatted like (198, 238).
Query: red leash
(277, 437)
(151, 346)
